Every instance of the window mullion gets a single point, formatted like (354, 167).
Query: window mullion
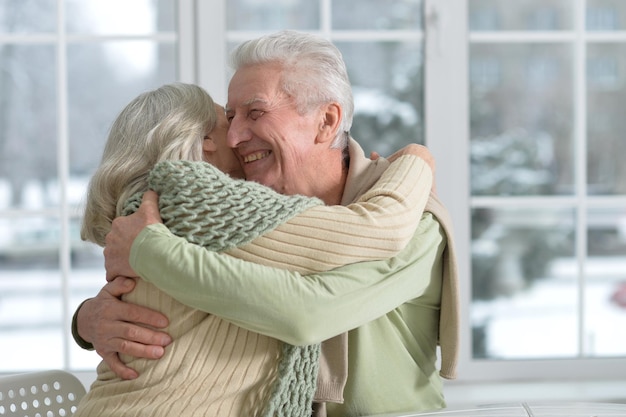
(447, 128)
(580, 166)
(186, 42)
(326, 18)
(211, 48)
(63, 175)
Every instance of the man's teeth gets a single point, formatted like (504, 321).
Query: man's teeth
(256, 156)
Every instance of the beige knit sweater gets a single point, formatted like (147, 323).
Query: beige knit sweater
(214, 368)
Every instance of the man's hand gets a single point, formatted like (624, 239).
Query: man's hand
(115, 327)
(123, 232)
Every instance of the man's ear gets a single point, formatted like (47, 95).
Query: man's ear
(331, 117)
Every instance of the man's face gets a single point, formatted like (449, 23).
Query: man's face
(275, 143)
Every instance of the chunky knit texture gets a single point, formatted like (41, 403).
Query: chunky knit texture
(195, 204)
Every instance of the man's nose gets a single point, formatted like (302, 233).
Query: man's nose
(237, 133)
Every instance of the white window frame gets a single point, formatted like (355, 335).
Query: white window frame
(447, 128)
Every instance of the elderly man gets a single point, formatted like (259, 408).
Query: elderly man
(290, 110)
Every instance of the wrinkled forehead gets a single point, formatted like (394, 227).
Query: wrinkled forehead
(254, 84)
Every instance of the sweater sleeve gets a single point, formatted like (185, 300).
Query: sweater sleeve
(377, 226)
(298, 309)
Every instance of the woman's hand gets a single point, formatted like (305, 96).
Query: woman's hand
(123, 232)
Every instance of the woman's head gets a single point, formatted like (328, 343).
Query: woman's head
(172, 122)
(313, 71)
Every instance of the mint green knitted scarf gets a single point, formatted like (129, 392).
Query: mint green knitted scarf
(208, 208)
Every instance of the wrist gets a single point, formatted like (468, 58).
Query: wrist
(77, 338)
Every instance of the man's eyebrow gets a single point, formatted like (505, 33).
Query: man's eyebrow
(254, 100)
(247, 103)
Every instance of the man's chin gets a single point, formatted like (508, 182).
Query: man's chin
(264, 179)
(257, 178)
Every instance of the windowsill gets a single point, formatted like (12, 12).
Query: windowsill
(460, 394)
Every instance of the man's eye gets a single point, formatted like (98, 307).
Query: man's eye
(255, 114)
(229, 117)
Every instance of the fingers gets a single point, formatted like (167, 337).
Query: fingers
(111, 309)
(150, 198)
(133, 340)
(138, 350)
(108, 322)
(118, 367)
(149, 209)
(124, 231)
(141, 317)
(117, 251)
(116, 327)
(424, 153)
(119, 286)
(418, 150)
(109, 348)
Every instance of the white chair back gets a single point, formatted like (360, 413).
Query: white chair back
(40, 394)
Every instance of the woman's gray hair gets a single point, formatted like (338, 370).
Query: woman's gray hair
(314, 72)
(168, 123)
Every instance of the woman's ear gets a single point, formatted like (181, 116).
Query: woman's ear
(208, 145)
(331, 117)
(209, 149)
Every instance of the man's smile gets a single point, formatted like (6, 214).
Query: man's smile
(256, 156)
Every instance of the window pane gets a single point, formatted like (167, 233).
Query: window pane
(28, 127)
(120, 16)
(521, 119)
(387, 80)
(495, 15)
(102, 79)
(19, 16)
(524, 306)
(31, 305)
(606, 123)
(377, 14)
(272, 14)
(606, 15)
(605, 283)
